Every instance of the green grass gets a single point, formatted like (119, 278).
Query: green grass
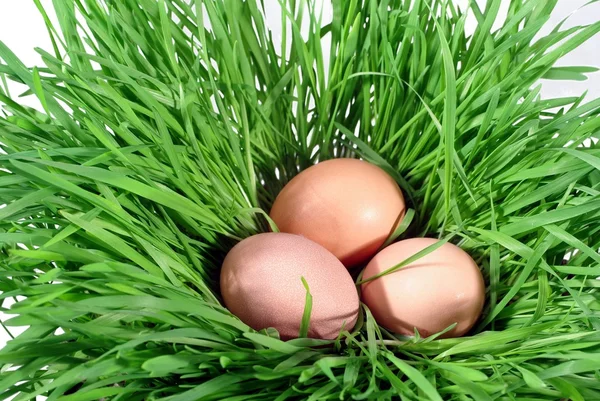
(166, 134)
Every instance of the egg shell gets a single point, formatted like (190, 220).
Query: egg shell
(261, 284)
(349, 206)
(431, 293)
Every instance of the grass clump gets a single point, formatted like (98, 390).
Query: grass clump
(166, 132)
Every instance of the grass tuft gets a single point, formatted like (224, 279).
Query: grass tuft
(166, 130)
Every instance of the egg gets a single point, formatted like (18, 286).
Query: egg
(430, 294)
(261, 283)
(349, 206)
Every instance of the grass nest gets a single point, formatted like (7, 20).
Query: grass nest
(166, 129)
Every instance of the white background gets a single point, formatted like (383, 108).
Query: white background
(22, 29)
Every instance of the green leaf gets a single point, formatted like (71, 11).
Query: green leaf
(531, 379)
(569, 73)
(304, 326)
(413, 258)
(165, 364)
(416, 376)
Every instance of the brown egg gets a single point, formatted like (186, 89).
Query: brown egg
(348, 206)
(261, 284)
(430, 294)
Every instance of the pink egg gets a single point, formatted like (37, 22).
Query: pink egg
(261, 283)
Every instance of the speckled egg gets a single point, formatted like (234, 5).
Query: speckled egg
(261, 283)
